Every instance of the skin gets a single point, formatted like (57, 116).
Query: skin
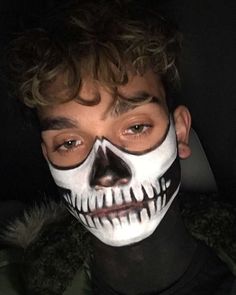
(71, 128)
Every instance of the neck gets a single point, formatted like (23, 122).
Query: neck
(150, 265)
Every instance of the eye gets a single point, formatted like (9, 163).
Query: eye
(69, 145)
(137, 129)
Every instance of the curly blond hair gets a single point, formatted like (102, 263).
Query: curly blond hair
(101, 39)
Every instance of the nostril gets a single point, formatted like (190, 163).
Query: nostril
(123, 181)
(109, 170)
(107, 180)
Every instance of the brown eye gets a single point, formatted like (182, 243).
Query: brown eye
(70, 144)
(137, 129)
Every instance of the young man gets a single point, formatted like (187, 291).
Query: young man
(98, 76)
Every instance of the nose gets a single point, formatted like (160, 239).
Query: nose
(109, 170)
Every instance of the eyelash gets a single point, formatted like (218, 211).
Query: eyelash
(62, 149)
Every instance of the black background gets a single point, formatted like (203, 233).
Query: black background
(208, 89)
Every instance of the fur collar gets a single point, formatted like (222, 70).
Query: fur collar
(24, 230)
(51, 246)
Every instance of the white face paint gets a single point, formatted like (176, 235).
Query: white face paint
(124, 213)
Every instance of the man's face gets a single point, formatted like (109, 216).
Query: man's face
(111, 159)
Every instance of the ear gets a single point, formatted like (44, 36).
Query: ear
(182, 120)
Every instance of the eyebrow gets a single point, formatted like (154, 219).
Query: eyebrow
(57, 123)
(124, 104)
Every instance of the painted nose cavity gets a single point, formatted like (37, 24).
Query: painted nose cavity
(109, 170)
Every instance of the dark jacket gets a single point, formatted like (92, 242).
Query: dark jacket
(47, 252)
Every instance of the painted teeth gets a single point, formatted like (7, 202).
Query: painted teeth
(100, 198)
(144, 215)
(109, 198)
(118, 196)
(79, 203)
(168, 183)
(85, 204)
(106, 224)
(138, 193)
(126, 195)
(116, 222)
(133, 218)
(149, 191)
(124, 220)
(157, 187)
(97, 223)
(164, 201)
(152, 208)
(163, 184)
(82, 218)
(92, 202)
(158, 204)
(90, 221)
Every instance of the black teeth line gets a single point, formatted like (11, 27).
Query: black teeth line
(113, 197)
(155, 192)
(123, 196)
(155, 205)
(128, 218)
(132, 195)
(96, 203)
(110, 220)
(145, 195)
(70, 200)
(86, 221)
(100, 220)
(94, 226)
(89, 204)
(104, 201)
(148, 211)
(76, 200)
(139, 216)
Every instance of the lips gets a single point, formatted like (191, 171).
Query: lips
(118, 211)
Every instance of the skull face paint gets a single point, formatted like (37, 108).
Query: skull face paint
(140, 188)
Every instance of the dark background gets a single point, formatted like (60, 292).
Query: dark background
(208, 89)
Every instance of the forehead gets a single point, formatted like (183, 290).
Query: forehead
(137, 90)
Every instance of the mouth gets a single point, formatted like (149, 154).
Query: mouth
(149, 202)
(125, 209)
(124, 206)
